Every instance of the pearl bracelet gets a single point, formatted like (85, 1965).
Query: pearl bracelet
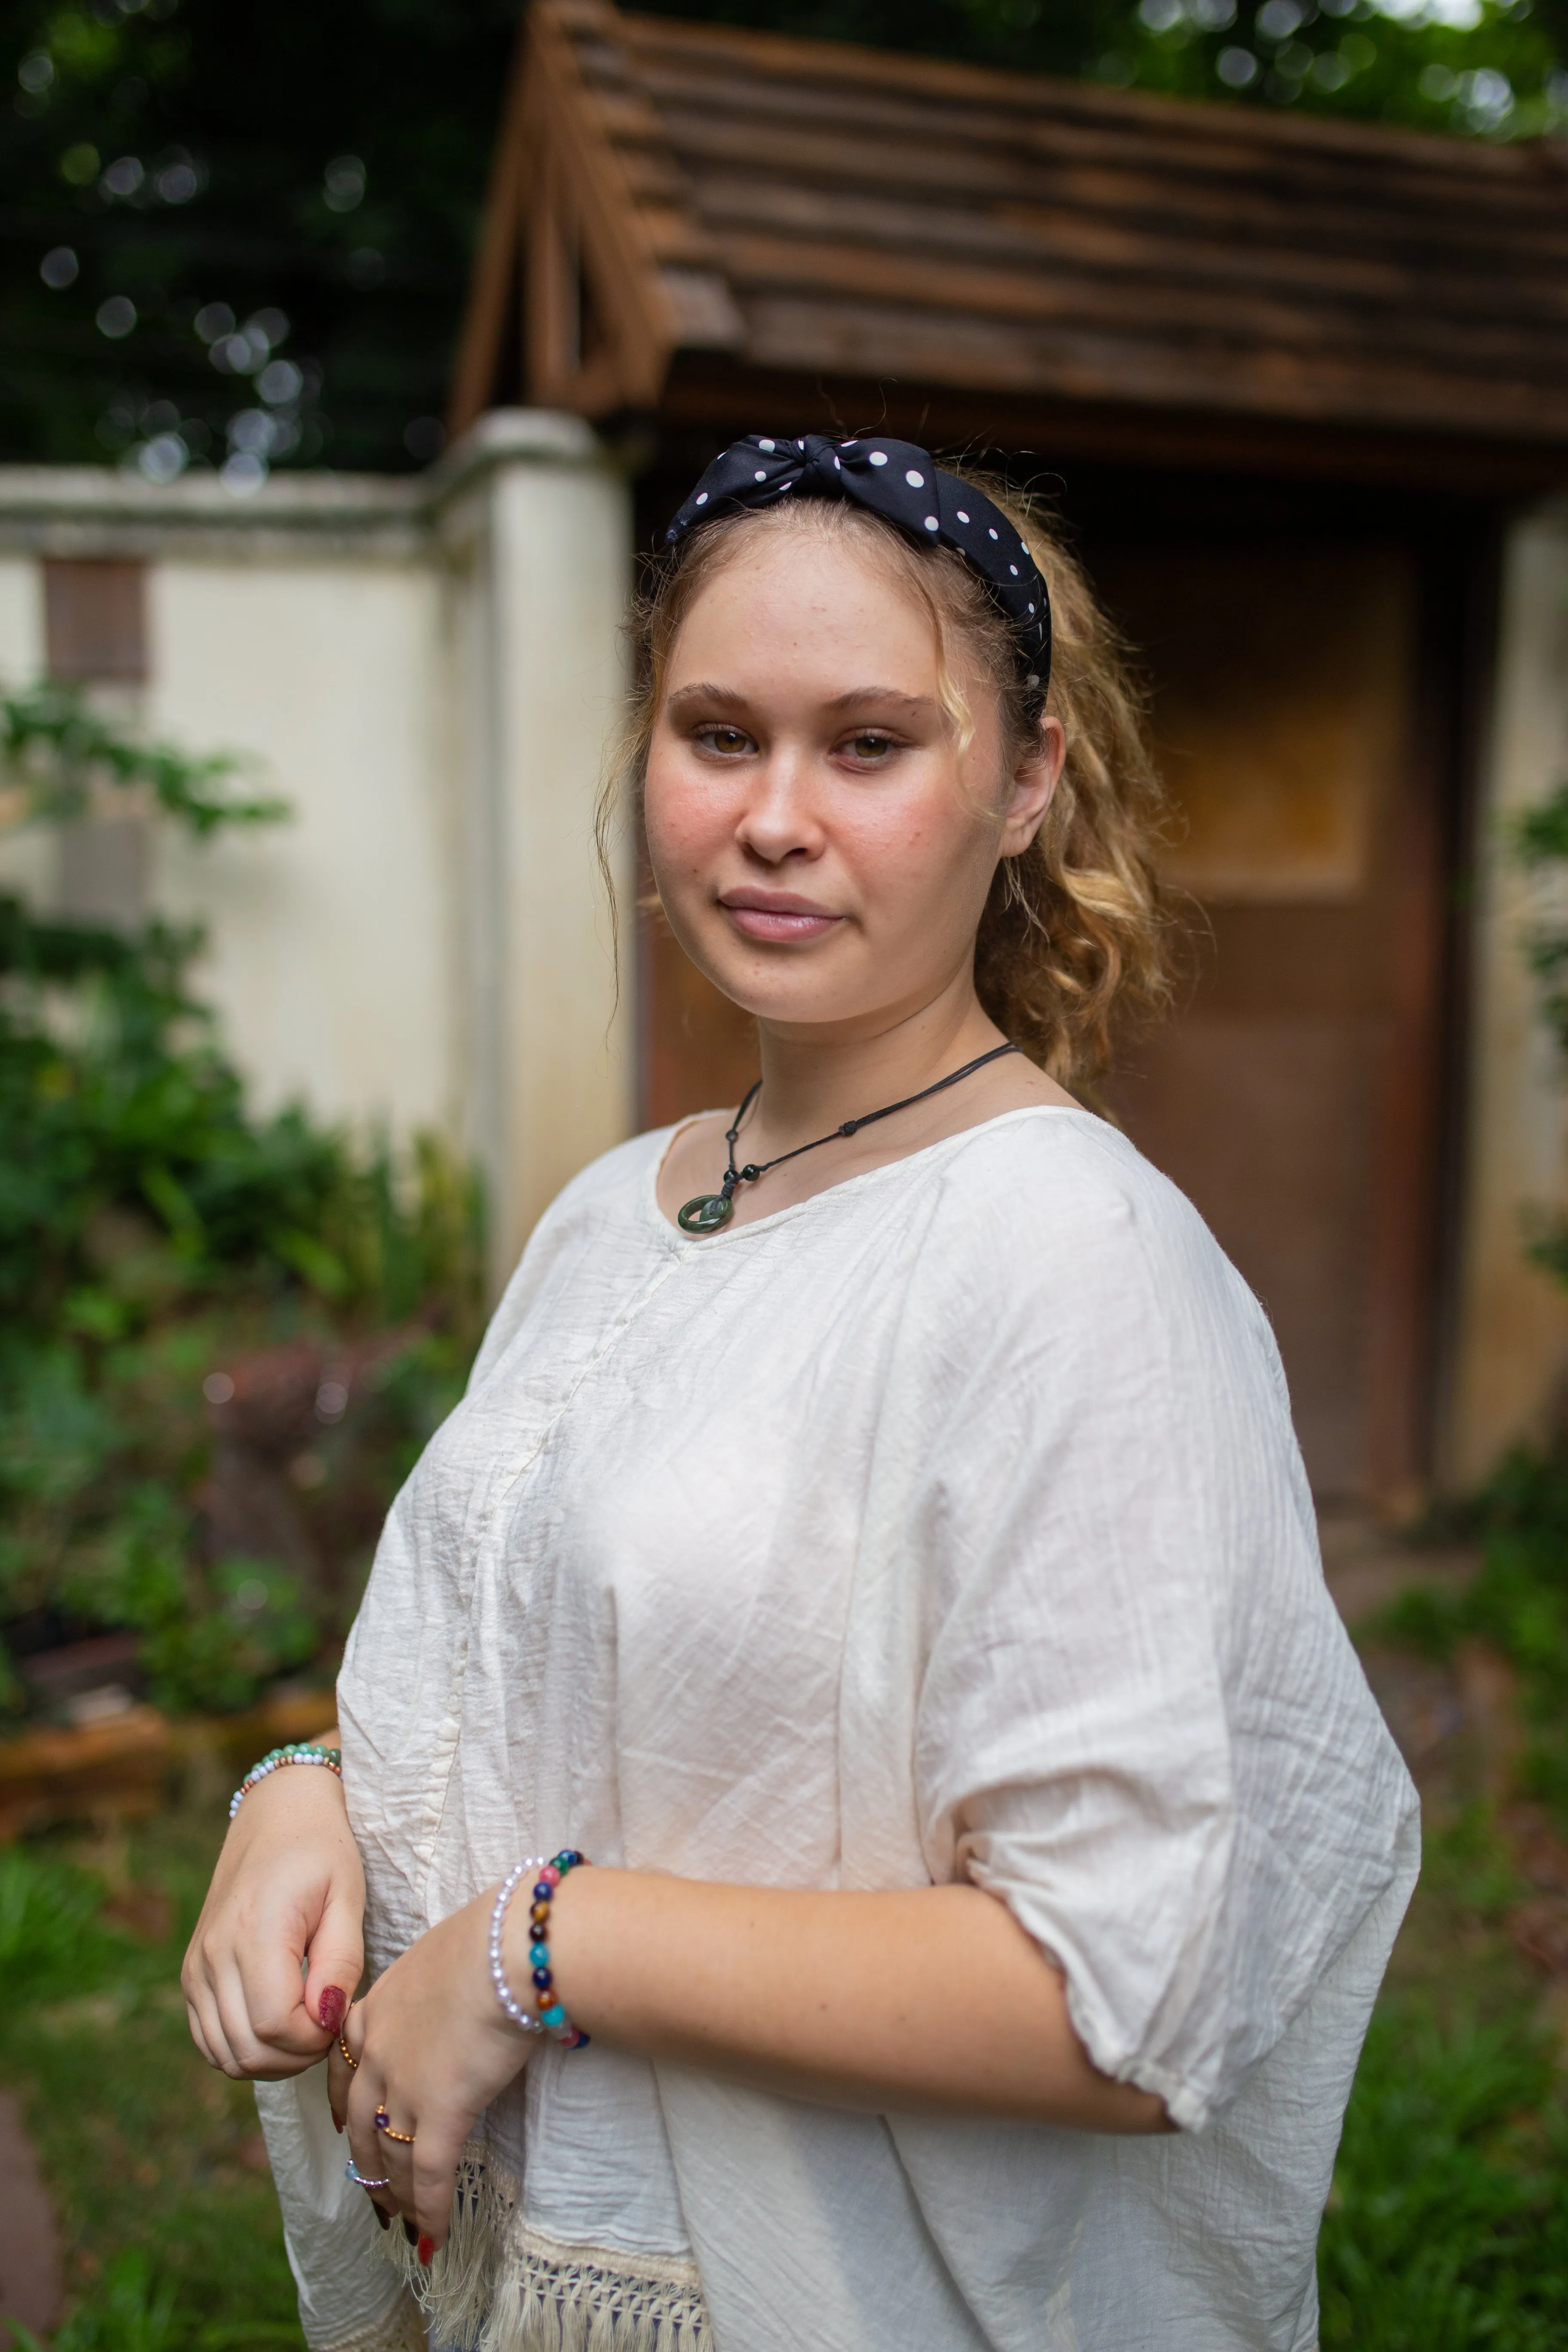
(552, 2018)
(297, 1752)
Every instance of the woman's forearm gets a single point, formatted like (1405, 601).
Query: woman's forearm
(933, 1998)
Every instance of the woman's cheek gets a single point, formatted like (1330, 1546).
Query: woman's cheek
(684, 827)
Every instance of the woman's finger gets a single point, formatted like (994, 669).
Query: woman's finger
(339, 2079)
(248, 2051)
(268, 1974)
(434, 2180)
(364, 2143)
(201, 2007)
(343, 2058)
(199, 2033)
(336, 1959)
(395, 2142)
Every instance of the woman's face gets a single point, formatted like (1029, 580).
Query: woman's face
(821, 849)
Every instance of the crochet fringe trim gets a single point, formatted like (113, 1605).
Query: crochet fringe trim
(500, 2286)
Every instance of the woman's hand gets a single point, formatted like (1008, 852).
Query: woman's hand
(433, 2047)
(287, 1888)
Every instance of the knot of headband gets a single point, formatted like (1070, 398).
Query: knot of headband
(899, 482)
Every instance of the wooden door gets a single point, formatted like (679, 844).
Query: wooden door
(1290, 1096)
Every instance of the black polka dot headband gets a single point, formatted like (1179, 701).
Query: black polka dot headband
(897, 481)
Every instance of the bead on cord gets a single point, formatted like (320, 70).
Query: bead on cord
(552, 2018)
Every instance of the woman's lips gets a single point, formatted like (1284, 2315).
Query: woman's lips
(776, 919)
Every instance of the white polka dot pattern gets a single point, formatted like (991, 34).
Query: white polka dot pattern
(899, 482)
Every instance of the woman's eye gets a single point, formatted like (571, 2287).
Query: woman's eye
(870, 748)
(726, 741)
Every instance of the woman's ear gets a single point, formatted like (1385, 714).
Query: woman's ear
(1035, 780)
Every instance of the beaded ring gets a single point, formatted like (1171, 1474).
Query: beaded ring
(384, 2125)
(298, 1751)
(552, 2018)
(348, 2053)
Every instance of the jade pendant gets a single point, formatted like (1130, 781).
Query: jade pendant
(706, 1213)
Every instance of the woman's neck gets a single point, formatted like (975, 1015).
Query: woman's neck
(814, 1079)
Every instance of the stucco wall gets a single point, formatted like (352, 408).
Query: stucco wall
(427, 672)
(331, 960)
(1513, 1351)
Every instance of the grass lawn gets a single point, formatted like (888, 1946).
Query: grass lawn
(1448, 2228)
(168, 2220)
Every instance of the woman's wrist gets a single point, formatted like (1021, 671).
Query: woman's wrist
(520, 1950)
(307, 1754)
(295, 1796)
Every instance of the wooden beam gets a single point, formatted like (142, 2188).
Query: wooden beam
(716, 394)
(587, 175)
(491, 288)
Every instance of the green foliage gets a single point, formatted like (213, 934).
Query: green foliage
(1447, 2227)
(1518, 1601)
(132, 2312)
(1540, 842)
(168, 2218)
(283, 227)
(61, 751)
(1479, 67)
(50, 1933)
(153, 1229)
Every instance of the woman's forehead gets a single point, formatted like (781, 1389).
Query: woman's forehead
(789, 594)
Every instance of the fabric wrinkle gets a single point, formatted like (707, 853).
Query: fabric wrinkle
(946, 1526)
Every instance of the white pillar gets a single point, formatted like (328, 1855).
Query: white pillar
(1512, 1335)
(536, 525)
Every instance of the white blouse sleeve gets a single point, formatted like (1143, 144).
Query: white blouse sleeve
(1139, 1722)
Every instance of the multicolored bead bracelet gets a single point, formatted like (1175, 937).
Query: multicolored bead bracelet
(551, 2017)
(299, 1752)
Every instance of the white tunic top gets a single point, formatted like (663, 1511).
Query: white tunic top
(947, 1524)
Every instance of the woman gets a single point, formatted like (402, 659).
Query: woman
(874, 1535)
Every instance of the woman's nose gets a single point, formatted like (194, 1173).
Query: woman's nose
(779, 818)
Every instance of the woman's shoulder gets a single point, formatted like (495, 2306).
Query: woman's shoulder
(1059, 1201)
(1069, 1161)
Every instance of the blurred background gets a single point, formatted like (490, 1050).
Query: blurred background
(350, 357)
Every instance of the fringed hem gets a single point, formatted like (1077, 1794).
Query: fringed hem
(499, 2285)
(457, 2292)
(564, 2298)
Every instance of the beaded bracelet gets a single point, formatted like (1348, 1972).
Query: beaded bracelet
(298, 1751)
(552, 2018)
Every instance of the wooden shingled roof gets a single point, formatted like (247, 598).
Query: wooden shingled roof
(713, 225)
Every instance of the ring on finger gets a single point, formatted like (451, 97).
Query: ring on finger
(348, 2053)
(362, 2180)
(384, 2124)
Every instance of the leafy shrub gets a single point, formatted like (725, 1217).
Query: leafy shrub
(155, 1238)
(1518, 1601)
(50, 1934)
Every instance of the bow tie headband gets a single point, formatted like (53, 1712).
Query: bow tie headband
(899, 482)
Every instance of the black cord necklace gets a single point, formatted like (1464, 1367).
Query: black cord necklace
(710, 1211)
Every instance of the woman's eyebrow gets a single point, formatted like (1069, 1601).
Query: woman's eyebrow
(883, 695)
(729, 697)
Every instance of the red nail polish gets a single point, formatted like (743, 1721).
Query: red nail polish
(383, 2218)
(336, 2125)
(332, 2008)
(426, 2248)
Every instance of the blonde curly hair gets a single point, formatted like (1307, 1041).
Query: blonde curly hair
(1076, 927)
